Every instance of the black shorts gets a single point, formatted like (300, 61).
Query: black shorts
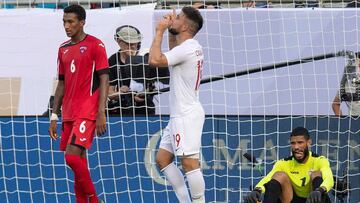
(297, 199)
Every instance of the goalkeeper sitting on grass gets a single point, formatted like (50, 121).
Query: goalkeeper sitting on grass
(303, 177)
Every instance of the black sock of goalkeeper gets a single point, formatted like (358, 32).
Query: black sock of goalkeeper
(316, 182)
(272, 191)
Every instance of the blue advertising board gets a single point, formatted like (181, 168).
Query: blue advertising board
(122, 162)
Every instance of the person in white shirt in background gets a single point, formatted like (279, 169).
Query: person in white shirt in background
(349, 88)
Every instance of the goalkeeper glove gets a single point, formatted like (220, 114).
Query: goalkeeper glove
(316, 195)
(254, 196)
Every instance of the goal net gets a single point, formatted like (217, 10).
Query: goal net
(266, 71)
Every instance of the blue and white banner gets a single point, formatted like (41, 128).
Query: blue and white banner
(122, 162)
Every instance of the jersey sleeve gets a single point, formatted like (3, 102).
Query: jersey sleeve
(100, 58)
(326, 173)
(277, 167)
(177, 55)
(61, 71)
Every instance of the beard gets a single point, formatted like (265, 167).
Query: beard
(306, 154)
(173, 31)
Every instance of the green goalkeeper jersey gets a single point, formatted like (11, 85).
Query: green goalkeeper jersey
(299, 173)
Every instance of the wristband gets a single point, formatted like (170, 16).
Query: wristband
(54, 117)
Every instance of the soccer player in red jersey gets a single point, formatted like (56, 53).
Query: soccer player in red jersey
(82, 93)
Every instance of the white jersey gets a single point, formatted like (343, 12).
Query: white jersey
(185, 67)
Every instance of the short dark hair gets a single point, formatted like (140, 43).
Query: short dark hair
(195, 17)
(77, 9)
(300, 131)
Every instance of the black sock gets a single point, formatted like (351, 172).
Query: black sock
(316, 182)
(272, 191)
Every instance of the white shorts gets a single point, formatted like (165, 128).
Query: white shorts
(182, 136)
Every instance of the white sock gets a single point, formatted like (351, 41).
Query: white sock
(197, 185)
(176, 179)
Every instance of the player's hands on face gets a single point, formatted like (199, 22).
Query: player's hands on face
(163, 24)
(52, 130)
(171, 16)
(166, 21)
(253, 197)
(100, 124)
(315, 196)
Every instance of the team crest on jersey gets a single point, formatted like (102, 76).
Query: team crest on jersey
(83, 49)
(311, 171)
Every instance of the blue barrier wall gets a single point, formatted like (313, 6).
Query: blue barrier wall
(122, 164)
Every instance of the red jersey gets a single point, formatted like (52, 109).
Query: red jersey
(80, 65)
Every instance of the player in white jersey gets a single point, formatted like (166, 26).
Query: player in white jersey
(182, 136)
